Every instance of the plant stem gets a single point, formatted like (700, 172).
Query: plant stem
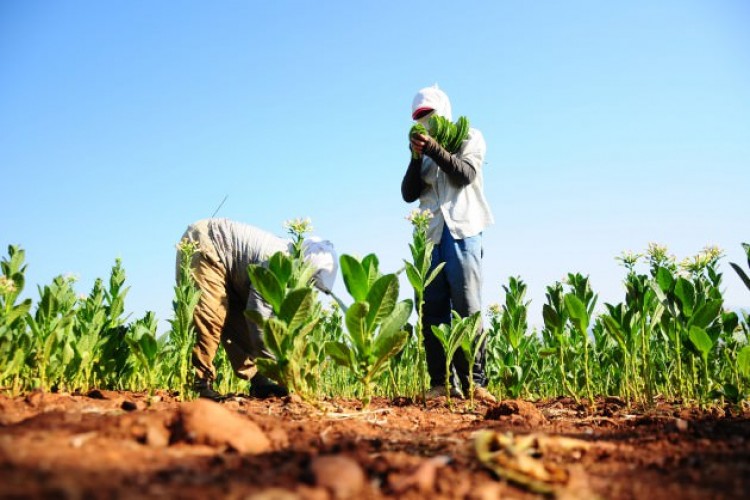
(421, 357)
(646, 363)
(589, 393)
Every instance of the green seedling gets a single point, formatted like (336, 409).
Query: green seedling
(451, 337)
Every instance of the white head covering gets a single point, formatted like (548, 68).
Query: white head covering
(321, 254)
(432, 98)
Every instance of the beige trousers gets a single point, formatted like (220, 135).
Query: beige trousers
(219, 316)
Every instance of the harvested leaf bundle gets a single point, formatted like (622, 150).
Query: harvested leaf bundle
(417, 128)
(449, 135)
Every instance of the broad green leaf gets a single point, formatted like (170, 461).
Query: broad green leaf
(355, 277)
(297, 307)
(267, 285)
(339, 353)
(474, 337)
(398, 318)
(434, 273)
(442, 333)
(273, 336)
(664, 279)
(387, 345)
(281, 266)
(371, 265)
(458, 334)
(657, 315)
(550, 317)
(706, 313)
(700, 340)
(730, 321)
(150, 347)
(355, 320)
(415, 280)
(685, 293)
(270, 369)
(382, 299)
(577, 311)
(614, 329)
(19, 311)
(743, 361)
(415, 252)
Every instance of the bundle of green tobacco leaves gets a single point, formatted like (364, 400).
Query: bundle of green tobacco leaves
(449, 135)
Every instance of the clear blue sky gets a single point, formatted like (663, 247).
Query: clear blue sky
(609, 125)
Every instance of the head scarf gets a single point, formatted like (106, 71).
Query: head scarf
(432, 98)
(321, 254)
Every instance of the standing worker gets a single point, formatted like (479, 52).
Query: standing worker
(225, 250)
(451, 187)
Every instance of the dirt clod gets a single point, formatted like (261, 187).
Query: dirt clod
(681, 425)
(129, 405)
(209, 423)
(422, 478)
(157, 436)
(35, 399)
(340, 475)
(516, 411)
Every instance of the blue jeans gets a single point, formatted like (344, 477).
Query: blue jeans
(458, 287)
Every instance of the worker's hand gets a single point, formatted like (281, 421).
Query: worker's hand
(418, 142)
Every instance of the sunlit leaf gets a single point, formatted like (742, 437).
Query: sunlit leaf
(382, 299)
(355, 319)
(743, 361)
(355, 277)
(297, 307)
(267, 285)
(700, 340)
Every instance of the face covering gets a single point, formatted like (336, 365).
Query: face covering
(432, 98)
(425, 120)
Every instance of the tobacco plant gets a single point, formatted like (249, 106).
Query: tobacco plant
(693, 305)
(15, 343)
(555, 316)
(451, 337)
(141, 338)
(513, 329)
(374, 322)
(472, 343)
(51, 325)
(182, 333)
(113, 366)
(286, 285)
(420, 274)
(91, 317)
(580, 303)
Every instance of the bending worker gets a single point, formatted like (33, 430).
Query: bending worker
(225, 250)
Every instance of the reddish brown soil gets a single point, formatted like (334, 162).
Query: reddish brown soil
(117, 445)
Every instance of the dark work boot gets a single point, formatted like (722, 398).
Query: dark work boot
(262, 387)
(204, 390)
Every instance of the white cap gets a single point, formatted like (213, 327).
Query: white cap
(432, 98)
(321, 254)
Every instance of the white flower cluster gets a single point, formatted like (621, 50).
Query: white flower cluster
(7, 285)
(299, 226)
(187, 246)
(420, 219)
